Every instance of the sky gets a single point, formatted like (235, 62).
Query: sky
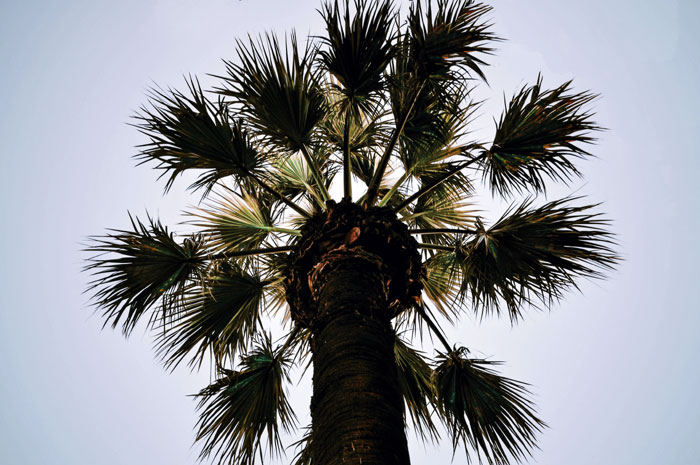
(614, 367)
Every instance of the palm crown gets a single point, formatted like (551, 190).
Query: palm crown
(377, 108)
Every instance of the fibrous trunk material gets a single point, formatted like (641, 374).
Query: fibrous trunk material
(350, 273)
(356, 408)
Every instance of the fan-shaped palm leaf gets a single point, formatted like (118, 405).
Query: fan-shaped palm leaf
(280, 93)
(303, 457)
(190, 132)
(441, 283)
(137, 268)
(486, 411)
(446, 206)
(533, 252)
(538, 135)
(277, 90)
(218, 318)
(452, 37)
(368, 129)
(237, 222)
(294, 174)
(416, 387)
(434, 126)
(358, 48)
(434, 51)
(242, 406)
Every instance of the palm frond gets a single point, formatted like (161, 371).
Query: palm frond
(242, 406)
(294, 175)
(533, 252)
(487, 412)
(539, 135)
(441, 283)
(237, 222)
(303, 457)
(358, 48)
(135, 269)
(190, 132)
(453, 36)
(416, 387)
(433, 128)
(277, 90)
(368, 129)
(448, 205)
(364, 164)
(449, 175)
(218, 318)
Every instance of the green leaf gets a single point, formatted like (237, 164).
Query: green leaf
(533, 252)
(242, 406)
(452, 36)
(135, 269)
(441, 283)
(190, 132)
(434, 127)
(237, 222)
(368, 129)
(294, 175)
(219, 318)
(303, 457)
(487, 412)
(539, 136)
(358, 48)
(277, 90)
(448, 205)
(416, 387)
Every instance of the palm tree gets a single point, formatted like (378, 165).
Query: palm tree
(378, 108)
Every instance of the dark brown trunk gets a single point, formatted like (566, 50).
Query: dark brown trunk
(357, 408)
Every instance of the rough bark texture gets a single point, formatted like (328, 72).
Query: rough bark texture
(356, 409)
(350, 272)
(346, 225)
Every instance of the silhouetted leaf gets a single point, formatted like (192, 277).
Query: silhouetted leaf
(539, 134)
(488, 413)
(190, 132)
(277, 90)
(242, 406)
(358, 48)
(416, 387)
(219, 318)
(135, 269)
(533, 252)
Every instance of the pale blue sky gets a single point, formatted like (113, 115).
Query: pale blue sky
(614, 368)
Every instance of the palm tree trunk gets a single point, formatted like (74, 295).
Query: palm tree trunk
(357, 408)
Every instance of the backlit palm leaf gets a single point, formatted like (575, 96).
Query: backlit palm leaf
(277, 90)
(539, 135)
(219, 318)
(446, 206)
(486, 411)
(242, 406)
(416, 387)
(358, 48)
(533, 252)
(441, 283)
(237, 222)
(434, 127)
(190, 132)
(294, 175)
(453, 35)
(367, 129)
(137, 268)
